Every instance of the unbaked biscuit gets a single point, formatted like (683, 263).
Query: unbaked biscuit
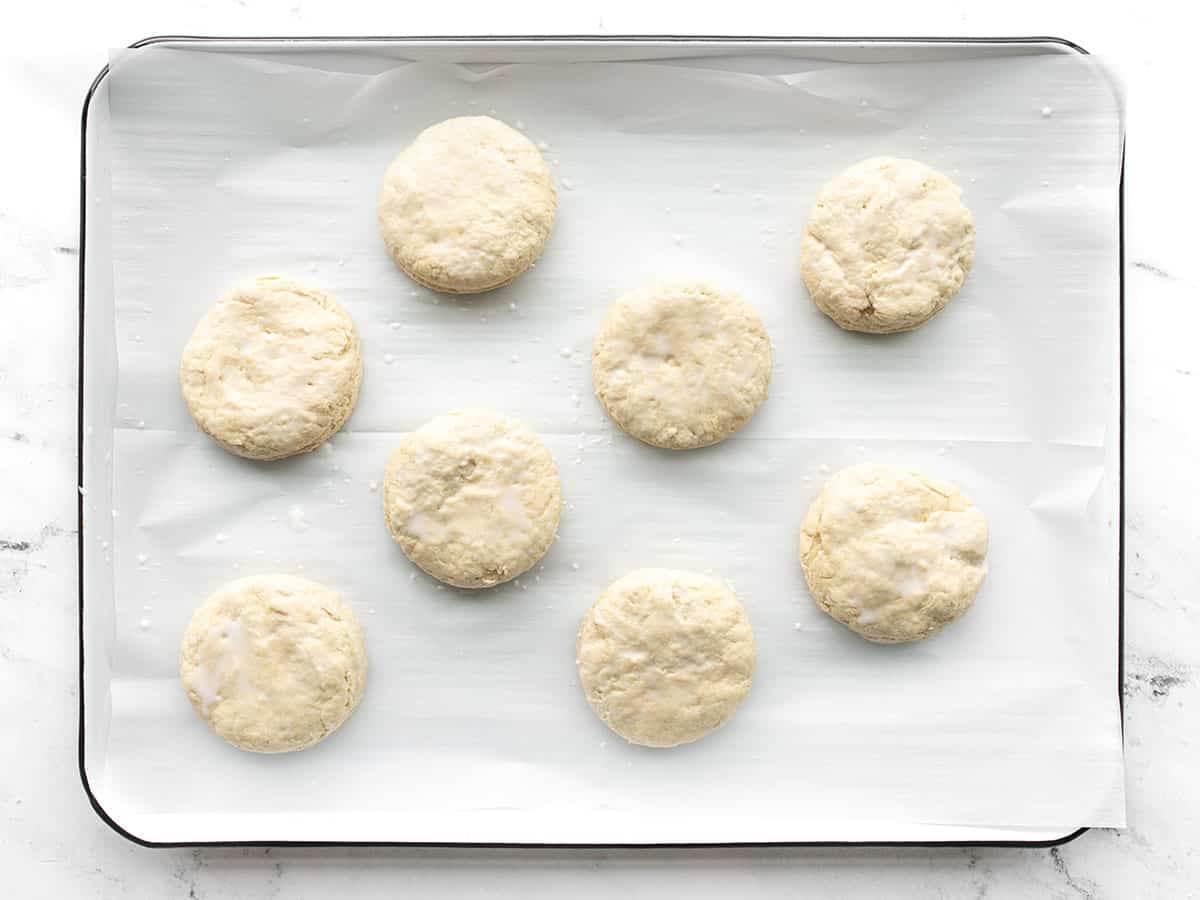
(887, 245)
(273, 662)
(893, 555)
(473, 498)
(681, 364)
(665, 656)
(273, 369)
(467, 206)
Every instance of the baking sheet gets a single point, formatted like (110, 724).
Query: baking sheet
(233, 163)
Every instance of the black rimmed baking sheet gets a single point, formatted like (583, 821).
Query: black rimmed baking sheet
(760, 461)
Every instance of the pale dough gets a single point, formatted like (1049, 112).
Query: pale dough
(681, 364)
(473, 498)
(467, 206)
(273, 662)
(665, 656)
(273, 369)
(887, 245)
(891, 554)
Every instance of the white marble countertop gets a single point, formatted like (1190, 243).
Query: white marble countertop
(53, 845)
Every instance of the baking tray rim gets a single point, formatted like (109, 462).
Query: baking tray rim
(601, 39)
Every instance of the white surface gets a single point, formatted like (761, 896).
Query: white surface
(474, 727)
(50, 842)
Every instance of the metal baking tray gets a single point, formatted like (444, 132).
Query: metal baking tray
(140, 746)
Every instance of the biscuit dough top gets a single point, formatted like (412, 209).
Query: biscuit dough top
(468, 206)
(273, 662)
(665, 656)
(473, 498)
(887, 245)
(681, 364)
(273, 369)
(891, 554)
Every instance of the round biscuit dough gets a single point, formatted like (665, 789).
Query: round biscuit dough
(273, 369)
(467, 206)
(473, 498)
(273, 662)
(887, 245)
(893, 555)
(665, 656)
(681, 364)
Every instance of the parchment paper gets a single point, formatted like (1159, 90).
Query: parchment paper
(227, 165)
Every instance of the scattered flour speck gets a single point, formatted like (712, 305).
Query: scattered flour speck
(296, 519)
